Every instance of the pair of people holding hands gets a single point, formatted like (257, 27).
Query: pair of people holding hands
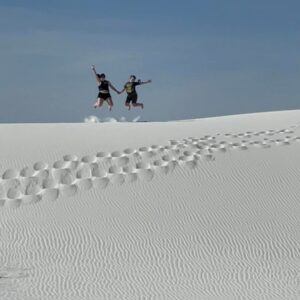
(129, 87)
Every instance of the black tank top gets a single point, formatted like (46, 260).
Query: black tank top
(103, 86)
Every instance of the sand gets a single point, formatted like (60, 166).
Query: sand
(195, 209)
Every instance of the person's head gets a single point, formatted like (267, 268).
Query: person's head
(132, 78)
(101, 76)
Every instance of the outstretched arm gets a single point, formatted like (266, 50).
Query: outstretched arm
(113, 88)
(144, 82)
(94, 70)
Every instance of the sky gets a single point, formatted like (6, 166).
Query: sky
(205, 57)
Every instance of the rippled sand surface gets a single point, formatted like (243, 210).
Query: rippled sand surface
(196, 209)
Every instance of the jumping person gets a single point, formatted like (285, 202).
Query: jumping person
(132, 95)
(103, 86)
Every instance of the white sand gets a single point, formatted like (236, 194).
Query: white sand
(199, 209)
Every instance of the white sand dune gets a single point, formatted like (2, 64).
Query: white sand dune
(201, 209)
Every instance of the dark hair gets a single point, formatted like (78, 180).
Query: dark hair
(133, 76)
(102, 75)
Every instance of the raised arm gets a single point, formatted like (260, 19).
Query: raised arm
(94, 70)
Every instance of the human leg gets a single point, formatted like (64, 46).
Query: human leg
(100, 102)
(97, 103)
(110, 103)
(135, 103)
(141, 105)
(128, 101)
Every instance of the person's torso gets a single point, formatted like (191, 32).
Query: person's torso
(103, 86)
(130, 87)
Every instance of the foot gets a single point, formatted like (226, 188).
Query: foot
(129, 107)
(142, 106)
(96, 104)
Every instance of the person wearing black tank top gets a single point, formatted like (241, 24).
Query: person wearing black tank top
(103, 86)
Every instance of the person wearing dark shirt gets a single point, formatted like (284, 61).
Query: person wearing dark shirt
(103, 86)
(132, 95)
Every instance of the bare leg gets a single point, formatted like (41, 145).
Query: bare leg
(100, 102)
(110, 103)
(141, 105)
(97, 103)
(127, 104)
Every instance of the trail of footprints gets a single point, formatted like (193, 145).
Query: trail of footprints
(67, 176)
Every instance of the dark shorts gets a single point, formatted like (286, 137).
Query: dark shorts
(104, 96)
(131, 98)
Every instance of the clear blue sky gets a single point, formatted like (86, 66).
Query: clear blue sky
(205, 57)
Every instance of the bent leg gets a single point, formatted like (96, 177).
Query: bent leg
(141, 105)
(135, 103)
(127, 104)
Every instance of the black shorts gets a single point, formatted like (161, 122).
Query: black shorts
(131, 98)
(104, 96)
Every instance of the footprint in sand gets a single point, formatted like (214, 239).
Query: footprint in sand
(50, 194)
(102, 154)
(40, 165)
(31, 199)
(32, 186)
(116, 154)
(70, 157)
(10, 174)
(89, 159)
(60, 164)
(101, 182)
(67, 190)
(145, 174)
(114, 170)
(122, 161)
(148, 154)
(11, 184)
(84, 172)
(49, 183)
(97, 171)
(27, 172)
(70, 174)
(13, 193)
(117, 179)
(161, 166)
(131, 177)
(84, 184)
(63, 176)
(129, 151)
